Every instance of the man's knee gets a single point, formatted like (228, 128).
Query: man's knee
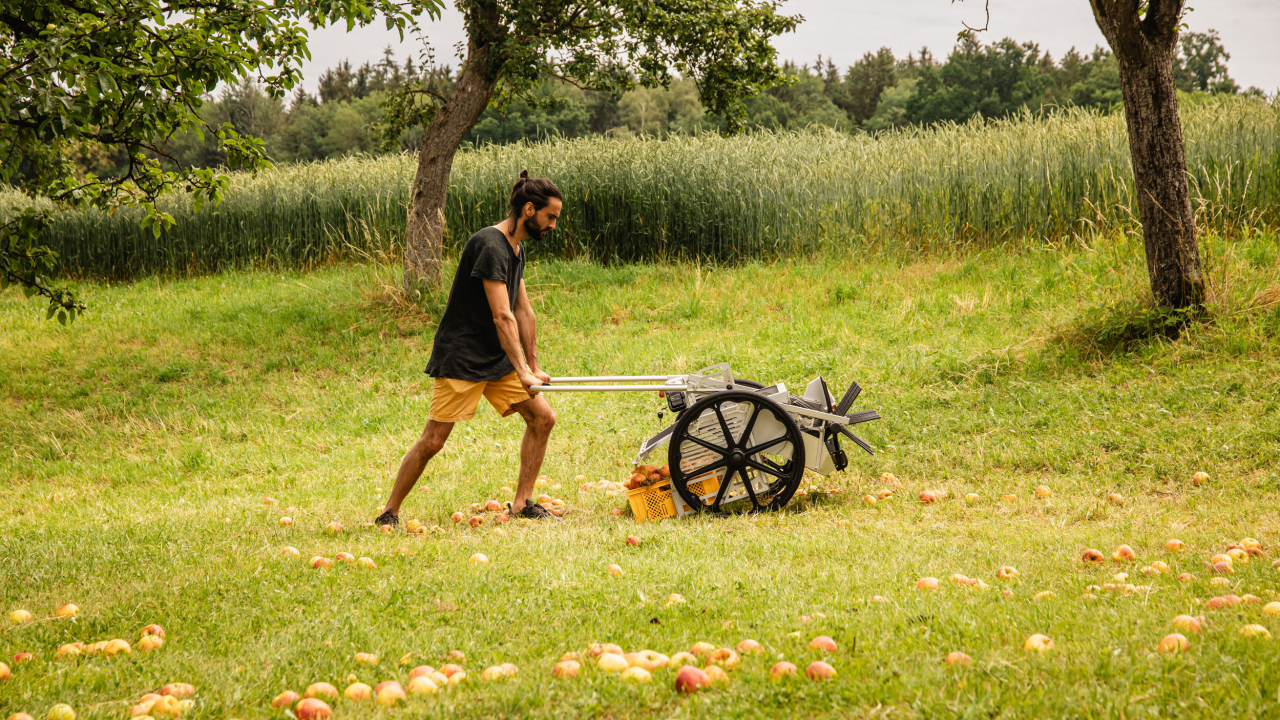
(543, 421)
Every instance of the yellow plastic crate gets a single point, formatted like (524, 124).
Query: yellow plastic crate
(655, 502)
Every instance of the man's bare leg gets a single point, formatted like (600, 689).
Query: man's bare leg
(539, 418)
(415, 461)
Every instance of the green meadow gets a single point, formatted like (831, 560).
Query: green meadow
(140, 442)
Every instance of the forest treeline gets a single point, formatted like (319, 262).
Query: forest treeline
(878, 92)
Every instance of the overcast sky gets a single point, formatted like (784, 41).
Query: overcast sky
(845, 29)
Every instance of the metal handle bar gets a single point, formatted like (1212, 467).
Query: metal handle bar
(615, 378)
(608, 388)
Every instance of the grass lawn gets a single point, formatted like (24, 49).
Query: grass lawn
(138, 446)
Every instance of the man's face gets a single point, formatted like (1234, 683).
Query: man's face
(542, 220)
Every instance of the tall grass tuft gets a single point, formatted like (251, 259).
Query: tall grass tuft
(757, 195)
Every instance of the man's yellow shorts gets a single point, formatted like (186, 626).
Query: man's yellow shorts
(456, 400)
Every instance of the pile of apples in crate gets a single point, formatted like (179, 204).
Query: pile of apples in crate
(646, 475)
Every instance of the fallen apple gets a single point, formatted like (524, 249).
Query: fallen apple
(493, 506)
(117, 647)
(367, 562)
(1007, 572)
(927, 583)
(153, 630)
(150, 642)
(457, 517)
(1038, 643)
(633, 541)
(1186, 577)
(1248, 599)
(726, 658)
(890, 479)
(66, 611)
(716, 674)
(358, 691)
(290, 551)
(674, 599)
(1173, 643)
(880, 599)
(638, 674)
(1272, 609)
(1124, 553)
(312, 709)
(320, 562)
(823, 643)
(955, 657)
(413, 527)
(476, 521)
(750, 647)
(1215, 603)
(1200, 477)
(1009, 498)
(421, 671)
(1115, 498)
(333, 528)
(782, 670)
(615, 570)
(648, 659)
(61, 711)
(971, 498)
(1043, 491)
(450, 669)
(345, 557)
(321, 690)
(366, 658)
(20, 617)
(1255, 631)
(566, 669)
(1092, 555)
(612, 662)
(683, 658)
(927, 497)
(1160, 566)
(819, 670)
(422, 685)
(478, 559)
(20, 716)
(389, 693)
(5, 672)
(286, 521)
(286, 699)
(884, 495)
(691, 679)
(1174, 546)
(72, 649)
(166, 706)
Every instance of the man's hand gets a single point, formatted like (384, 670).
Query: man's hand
(528, 380)
(545, 378)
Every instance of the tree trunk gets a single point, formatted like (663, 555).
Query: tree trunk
(424, 234)
(1145, 49)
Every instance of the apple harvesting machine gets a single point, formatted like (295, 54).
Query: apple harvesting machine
(737, 445)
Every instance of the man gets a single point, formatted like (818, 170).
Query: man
(487, 345)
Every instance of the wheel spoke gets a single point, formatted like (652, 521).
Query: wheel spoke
(724, 427)
(751, 423)
(724, 485)
(746, 482)
(764, 469)
(766, 445)
(706, 468)
(706, 444)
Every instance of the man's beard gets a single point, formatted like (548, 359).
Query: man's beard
(531, 227)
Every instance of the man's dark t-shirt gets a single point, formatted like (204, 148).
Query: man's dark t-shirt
(466, 344)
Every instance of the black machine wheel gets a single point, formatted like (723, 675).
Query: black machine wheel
(714, 434)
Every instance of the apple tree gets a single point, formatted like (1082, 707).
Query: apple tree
(131, 75)
(514, 45)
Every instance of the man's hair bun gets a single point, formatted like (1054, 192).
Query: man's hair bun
(538, 191)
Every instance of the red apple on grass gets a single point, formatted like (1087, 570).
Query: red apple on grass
(566, 669)
(313, 709)
(321, 690)
(823, 643)
(819, 670)
(690, 679)
(286, 699)
(781, 670)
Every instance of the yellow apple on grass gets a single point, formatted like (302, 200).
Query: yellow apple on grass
(290, 551)
(927, 583)
(389, 693)
(366, 658)
(615, 570)
(1255, 631)
(612, 662)
(566, 669)
(366, 563)
(61, 711)
(422, 685)
(321, 690)
(286, 699)
(20, 617)
(1187, 623)
(358, 691)
(1043, 491)
(1038, 643)
(716, 675)
(286, 521)
(478, 559)
(1174, 546)
(1200, 477)
(68, 610)
(5, 672)
(683, 658)
(150, 642)
(637, 674)
(1124, 553)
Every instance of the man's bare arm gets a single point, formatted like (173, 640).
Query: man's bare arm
(508, 330)
(528, 325)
